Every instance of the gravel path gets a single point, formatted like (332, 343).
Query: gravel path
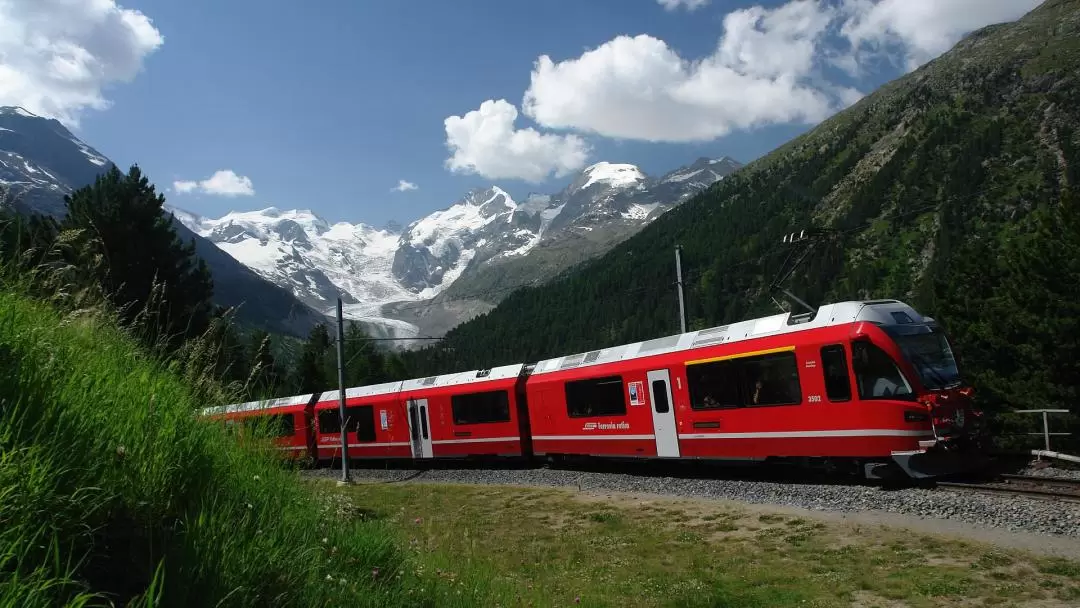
(1006, 513)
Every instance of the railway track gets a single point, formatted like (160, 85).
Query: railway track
(1049, 488)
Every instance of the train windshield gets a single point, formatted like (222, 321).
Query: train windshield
(931, 356)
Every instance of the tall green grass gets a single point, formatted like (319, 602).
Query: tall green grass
(113, 491)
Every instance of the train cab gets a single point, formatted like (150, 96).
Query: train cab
(904, 360)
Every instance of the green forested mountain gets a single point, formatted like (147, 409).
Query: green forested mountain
(948, 188)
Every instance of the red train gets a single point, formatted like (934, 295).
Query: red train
(871, 384)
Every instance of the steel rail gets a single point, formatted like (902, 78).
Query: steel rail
(1066, 490)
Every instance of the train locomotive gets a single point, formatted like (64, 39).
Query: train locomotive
(868, 386)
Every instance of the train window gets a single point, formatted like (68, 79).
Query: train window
(481, 408)
(713, 385)
(414, 423)
(275, 425)
(329, 421)
(660, 400)
(595, 397)
(771, 379)
(360, 419)
(877, 375)
(834, 368)
(760, 381)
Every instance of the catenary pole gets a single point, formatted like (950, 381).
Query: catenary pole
(679, 283)
(341, 391)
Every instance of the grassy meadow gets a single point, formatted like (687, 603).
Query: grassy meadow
(505, 546)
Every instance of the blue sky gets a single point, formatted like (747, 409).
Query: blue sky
(328, 108)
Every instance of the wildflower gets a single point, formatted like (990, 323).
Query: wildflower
(375, 572)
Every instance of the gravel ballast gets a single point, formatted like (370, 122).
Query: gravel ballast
(1012, 513)
(1053, 472)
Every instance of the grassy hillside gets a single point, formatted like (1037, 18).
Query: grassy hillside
(932, 189)
(111, 490)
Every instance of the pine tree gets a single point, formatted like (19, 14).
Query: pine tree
(1041, 296)
(265, 375)
(149, 274)
(311, 370)
(357, 345)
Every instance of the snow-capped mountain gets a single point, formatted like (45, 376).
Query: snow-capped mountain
(41, 161)
(398, 277)
(316, 261)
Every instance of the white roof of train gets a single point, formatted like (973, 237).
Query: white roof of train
(455, 379)
(879, 311)
(361, 391)
(502, 372)
(265, 404)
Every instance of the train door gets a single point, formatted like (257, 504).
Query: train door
(420, 428)
(663, 415)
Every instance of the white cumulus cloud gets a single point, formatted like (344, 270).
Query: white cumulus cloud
(769, 67)
(762, 72)
(486, 142)
(222, 183)
(57, 56)
(403, 186)
(691, 5)
(922, 29)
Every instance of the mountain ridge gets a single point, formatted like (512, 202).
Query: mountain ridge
(399, 278)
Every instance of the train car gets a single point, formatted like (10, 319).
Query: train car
(476, 413)
(289, 420)
(375, 425)
(871, 384)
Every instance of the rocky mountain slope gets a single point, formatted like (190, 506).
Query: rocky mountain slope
(931, 189)
(41, 161)
(455, 262)
(603, 206)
